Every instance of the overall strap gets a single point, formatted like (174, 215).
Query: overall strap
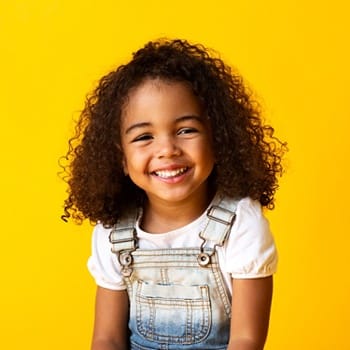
(124, 241)
(221, 216)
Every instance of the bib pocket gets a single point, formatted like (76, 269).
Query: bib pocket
(173, 314)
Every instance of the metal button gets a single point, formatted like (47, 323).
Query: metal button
(125, 259)
(203, 259)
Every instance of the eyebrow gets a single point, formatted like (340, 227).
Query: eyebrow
(137, 126)
(177, 120)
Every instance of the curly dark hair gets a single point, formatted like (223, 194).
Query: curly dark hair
(248, 156)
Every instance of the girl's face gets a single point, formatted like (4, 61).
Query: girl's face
(167, 143)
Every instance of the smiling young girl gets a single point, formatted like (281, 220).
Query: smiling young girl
(173, 163)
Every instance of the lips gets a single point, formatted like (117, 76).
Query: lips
(168, 174)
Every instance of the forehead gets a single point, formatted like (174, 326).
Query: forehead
(163, 96)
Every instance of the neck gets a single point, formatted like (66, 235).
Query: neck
(162, 217)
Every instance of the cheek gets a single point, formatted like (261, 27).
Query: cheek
(125, 166)
(208, 149)
(211, 150)
(121, 150)
(132, 161)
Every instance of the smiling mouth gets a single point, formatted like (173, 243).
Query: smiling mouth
(168, 174)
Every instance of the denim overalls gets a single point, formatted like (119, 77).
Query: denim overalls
(178, 299)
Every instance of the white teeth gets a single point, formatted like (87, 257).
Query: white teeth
(166, 174)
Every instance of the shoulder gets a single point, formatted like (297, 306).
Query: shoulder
(251, 227)
(249, 213)
(101, 246)
(250, 248)
(102, 263)
(250, 205)
(247, 210)
(100, 234)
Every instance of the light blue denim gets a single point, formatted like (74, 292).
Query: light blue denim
(177, 301)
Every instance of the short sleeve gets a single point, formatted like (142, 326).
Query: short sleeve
(250, 250)
(103, 264)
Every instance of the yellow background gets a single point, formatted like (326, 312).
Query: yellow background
(295, 54)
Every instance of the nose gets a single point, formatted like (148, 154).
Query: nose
(167, 147)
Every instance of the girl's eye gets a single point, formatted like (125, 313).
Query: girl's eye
(144, 137)
(184, 131)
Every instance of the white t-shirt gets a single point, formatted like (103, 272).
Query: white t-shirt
(249, 251)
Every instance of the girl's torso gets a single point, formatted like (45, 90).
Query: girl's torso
(178, 298)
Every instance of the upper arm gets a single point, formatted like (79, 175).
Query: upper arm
(111, 320)
(251, 303)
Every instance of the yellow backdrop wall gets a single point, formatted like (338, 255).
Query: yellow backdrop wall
(296, 56)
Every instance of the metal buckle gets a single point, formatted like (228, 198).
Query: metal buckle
(124, 255)
(221, 221)
(124, 240)
(116, 241)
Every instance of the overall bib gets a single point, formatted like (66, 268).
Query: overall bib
(178, 299)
